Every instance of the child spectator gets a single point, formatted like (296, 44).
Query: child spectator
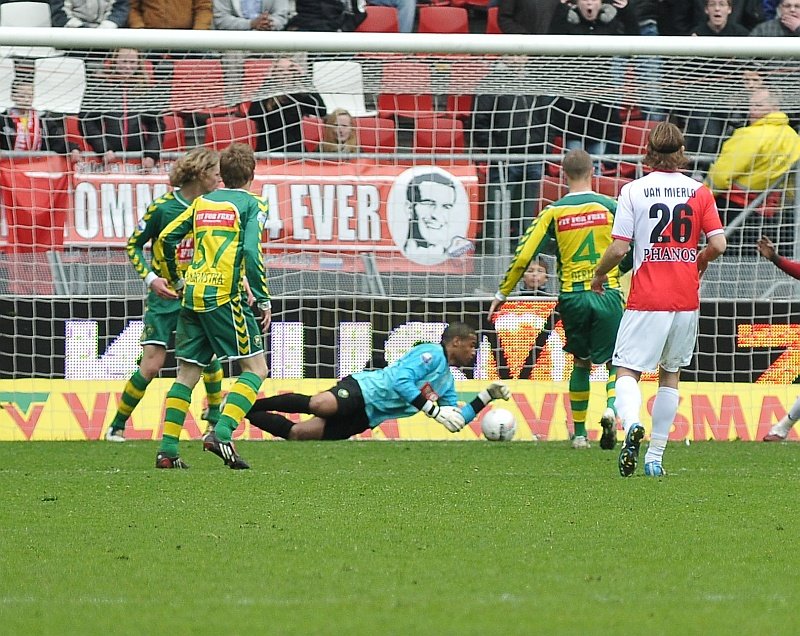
(338, 134)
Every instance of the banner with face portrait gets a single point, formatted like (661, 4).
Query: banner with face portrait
(338, 216)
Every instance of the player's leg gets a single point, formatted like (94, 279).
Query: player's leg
(665, 406)
(677, 353)
(575, 309)
(280, 426)
(160, 319)
(607, 313)
(285, 403)
(579, 401)
(780, 431)
(152, 361)
(179, 397)
(639, 345)
(235, 334)
(193, 352)
(212, 379)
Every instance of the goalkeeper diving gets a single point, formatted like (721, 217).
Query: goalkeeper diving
(420, 381)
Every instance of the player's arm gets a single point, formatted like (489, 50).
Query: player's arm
(495, 391)
(143, 233)
(611, 258)
(528, 247)
(715, 247)
(767, 249)
(165, 247)
(254, 260)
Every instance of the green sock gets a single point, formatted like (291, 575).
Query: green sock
(239, 401)
(131, 396)
(579, 398)
(177, 404)
(212, 378)
(611, 388)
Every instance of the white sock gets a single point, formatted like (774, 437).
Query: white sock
(665, 406)
(628, 402)
(794, 412)
(786, 423)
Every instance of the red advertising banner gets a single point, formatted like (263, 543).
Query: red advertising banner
(322, 215)
(35, 201)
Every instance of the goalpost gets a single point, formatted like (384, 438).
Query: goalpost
(357, 271)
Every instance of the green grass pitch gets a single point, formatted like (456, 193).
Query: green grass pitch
(398, 538)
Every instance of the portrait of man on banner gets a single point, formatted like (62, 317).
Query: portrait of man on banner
(428, 215)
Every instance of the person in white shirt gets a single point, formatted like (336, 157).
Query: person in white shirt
(663, 214)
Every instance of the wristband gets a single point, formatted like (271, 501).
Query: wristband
(148, 280)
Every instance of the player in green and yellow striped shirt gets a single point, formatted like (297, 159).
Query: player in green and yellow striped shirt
(226, 226)
(581, 224)
(194, 174)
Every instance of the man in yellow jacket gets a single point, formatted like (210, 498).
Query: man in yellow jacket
(752, 159)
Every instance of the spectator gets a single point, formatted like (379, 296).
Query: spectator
(339, 134)
(406, 12)
(97, 14)
(754, 157)
(251, 15)
(718, 23)
(24, 129)
(526, 16)
(534, 278)
(170, 14)
(327, 15)
(512, 124)
(278, 118)
(121, 124)
(786, 24)
(593, 17)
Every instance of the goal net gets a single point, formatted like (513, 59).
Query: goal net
(359, 269)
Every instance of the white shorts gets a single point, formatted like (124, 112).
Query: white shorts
(647, 340)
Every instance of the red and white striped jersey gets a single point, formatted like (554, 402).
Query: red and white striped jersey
(664, 213)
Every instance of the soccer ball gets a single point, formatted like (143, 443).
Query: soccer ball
(499, 425)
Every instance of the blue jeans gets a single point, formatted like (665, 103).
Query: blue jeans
(406, 11)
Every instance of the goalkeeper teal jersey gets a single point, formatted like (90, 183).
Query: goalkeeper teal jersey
(388, 392)
(158, 215)
(227, 226)
(581, 225)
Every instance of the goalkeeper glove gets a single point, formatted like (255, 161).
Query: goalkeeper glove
(495, 391)
(448, 416)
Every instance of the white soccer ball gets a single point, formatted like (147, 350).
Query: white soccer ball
(499, 425)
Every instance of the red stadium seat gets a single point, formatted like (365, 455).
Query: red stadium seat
(438, 135)
(380, 20)
(198, 86)
(221, 132)
(634, 142)
(395, 99)
(376, 134)
(174, 137)
(312, 128)
(492, 25)
(443, 20)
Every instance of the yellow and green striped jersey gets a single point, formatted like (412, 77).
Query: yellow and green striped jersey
(581, 225)
(226, 226)
(158, 215)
